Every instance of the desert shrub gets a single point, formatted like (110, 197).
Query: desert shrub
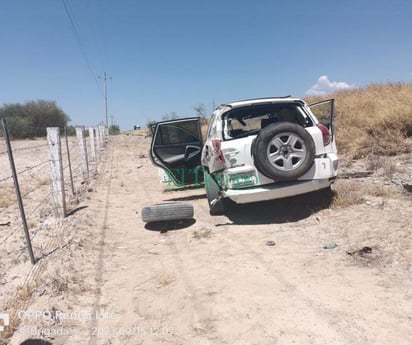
(376, 119)
(31, 119)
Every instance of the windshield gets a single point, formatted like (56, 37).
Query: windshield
(249, 120)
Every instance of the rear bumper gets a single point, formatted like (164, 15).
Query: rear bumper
(275, 191)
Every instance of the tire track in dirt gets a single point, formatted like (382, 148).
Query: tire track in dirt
(294, 295)
(201, 320)
(348, 312)
(101, 243)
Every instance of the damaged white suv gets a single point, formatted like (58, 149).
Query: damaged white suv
(254, 150)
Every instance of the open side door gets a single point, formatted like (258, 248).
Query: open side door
(325, 112)
(176, 147)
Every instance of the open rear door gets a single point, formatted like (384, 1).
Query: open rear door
(176, 148)
(324, 112)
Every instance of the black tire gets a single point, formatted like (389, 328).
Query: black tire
(212, 192)
(291, 161)
(167, 211)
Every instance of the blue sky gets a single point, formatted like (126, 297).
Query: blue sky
(169, 56)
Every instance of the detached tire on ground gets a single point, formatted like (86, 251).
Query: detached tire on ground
(167, 211)
(283, 151)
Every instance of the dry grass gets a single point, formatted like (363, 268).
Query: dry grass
(22, 297)
(348, 193)
(380, 190)
(165, 280)
(382, 166)
(355, 192)
(202, 233)
(11, 328)
(24, 293)
(5, 201)
(7, 196)
(204, 131)
(42, 181)
(373, 120)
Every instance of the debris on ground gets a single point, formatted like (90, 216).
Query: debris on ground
(330, 245)
(202, 233)
(361, 252)
(407, 187)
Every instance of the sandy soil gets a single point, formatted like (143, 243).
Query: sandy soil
(113, 280)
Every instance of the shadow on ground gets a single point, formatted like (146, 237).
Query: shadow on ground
(35, 342)
(170, 225)
(72, 212)
(188, 198)
(279, 211)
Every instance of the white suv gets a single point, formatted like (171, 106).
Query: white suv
(256, 149)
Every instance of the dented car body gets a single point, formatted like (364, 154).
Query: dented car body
(254, 150)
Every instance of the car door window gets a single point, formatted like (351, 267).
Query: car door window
(323, 111)
(170, 134)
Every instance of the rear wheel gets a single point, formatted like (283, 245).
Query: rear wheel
(216, 206)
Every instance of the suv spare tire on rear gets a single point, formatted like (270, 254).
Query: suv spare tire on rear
(167, 211)
(283, 151)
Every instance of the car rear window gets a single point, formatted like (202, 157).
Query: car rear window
(249, 120)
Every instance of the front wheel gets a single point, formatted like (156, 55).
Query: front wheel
(216, 206)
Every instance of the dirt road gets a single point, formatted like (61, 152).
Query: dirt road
(216, 281)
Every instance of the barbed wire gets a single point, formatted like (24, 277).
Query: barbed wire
(12, 232)
(24, 148)
(4, 209)
(38, 207)
(25, 195)
(66, 166)
(6, 178)
(32, 167)
(25, 170)
(23, 248)
(20, 226)
(28, 147)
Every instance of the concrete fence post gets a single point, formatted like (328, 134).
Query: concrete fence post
(102, 136)
(56, 169)
(98, 143)
(81, 140)
(92, 151)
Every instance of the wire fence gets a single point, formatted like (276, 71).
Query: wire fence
(34, 162)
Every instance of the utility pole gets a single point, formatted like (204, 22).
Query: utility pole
(105, 96)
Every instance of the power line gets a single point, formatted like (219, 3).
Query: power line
(76, 33)
(95, 25)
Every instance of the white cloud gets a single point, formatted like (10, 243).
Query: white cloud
(324, 86)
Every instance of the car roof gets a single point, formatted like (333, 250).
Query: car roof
(246, 102)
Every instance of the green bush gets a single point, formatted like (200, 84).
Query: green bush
(31, 119)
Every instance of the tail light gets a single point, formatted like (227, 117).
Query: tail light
(325, 134)
(217, 146)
